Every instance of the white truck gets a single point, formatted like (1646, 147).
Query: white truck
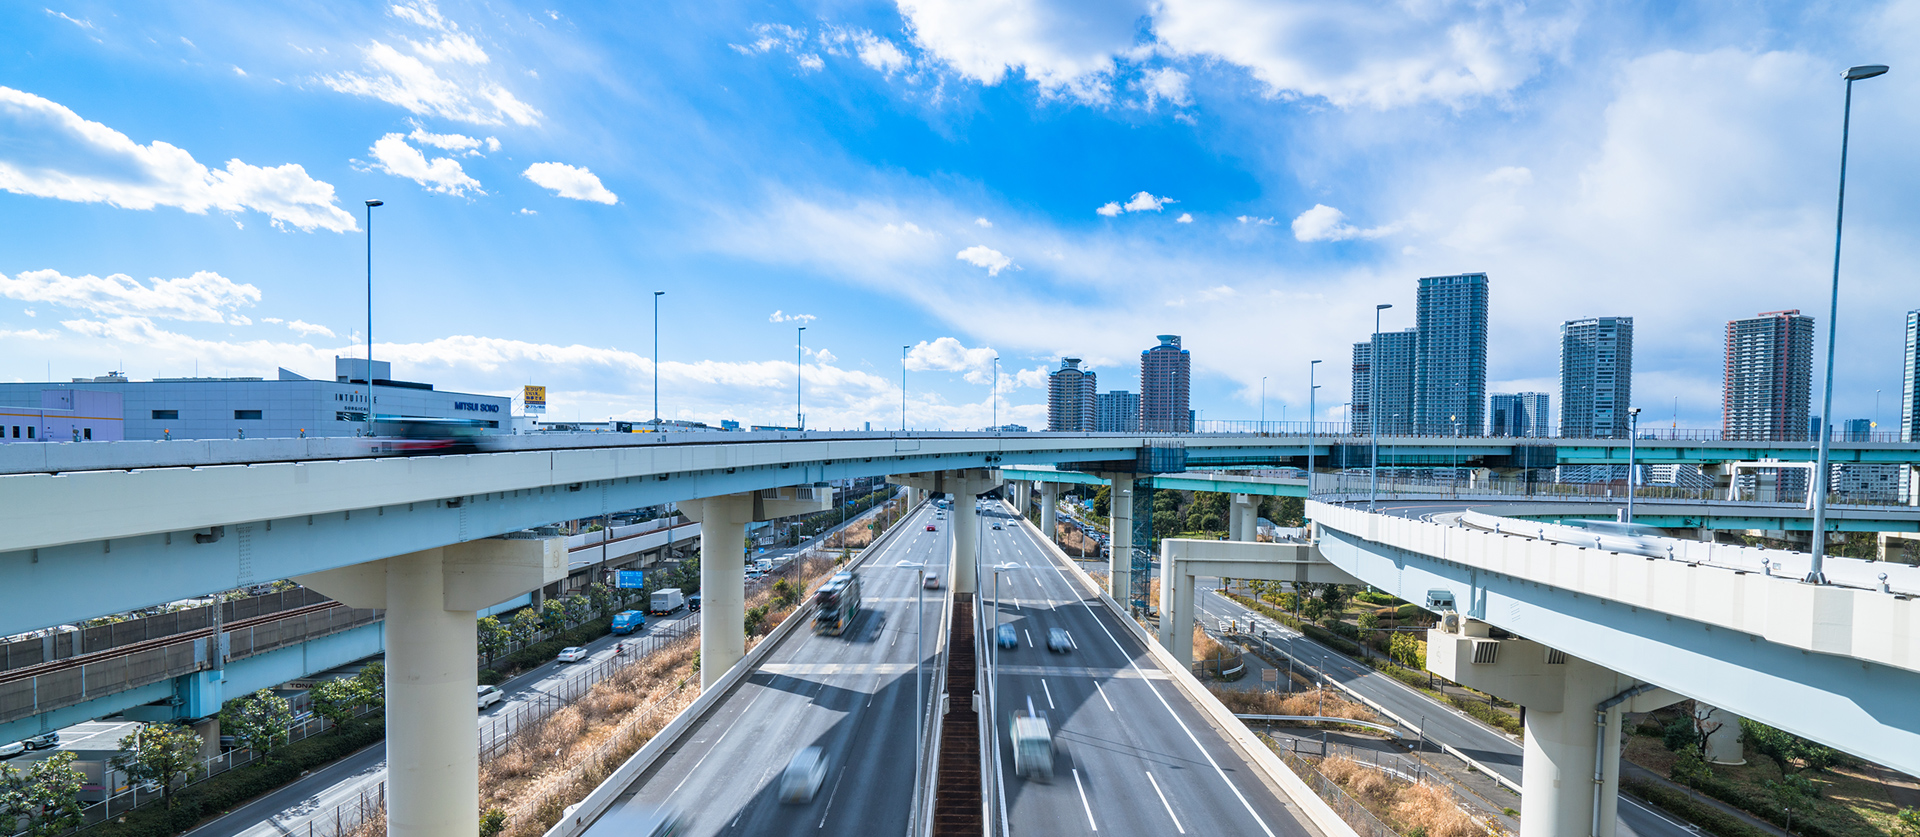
(1032, 744)
(666, 601)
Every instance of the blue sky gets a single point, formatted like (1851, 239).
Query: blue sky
(181, 188)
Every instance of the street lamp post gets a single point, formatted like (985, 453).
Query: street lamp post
(656, 359)
(799, 352)
(1311, 386)
(903, 388)
(1633, 435)
(1263, 403)
(370, 205)
(996, 394)
(1373, 406)
(1816, 570)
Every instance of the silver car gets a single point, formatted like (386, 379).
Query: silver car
(801, 781)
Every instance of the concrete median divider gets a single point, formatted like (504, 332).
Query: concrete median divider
(1308, 803)
(582, 814)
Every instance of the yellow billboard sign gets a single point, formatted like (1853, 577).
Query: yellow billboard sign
(535, 398)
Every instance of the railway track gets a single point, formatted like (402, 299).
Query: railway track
(158, 642)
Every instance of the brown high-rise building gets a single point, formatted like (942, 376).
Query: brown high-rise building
(1769, 377)
(1070, 397)
(1165, 378)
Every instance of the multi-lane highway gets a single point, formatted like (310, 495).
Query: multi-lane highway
(1495, 751)
(1133, 755)
(851, 695)
(313, 799)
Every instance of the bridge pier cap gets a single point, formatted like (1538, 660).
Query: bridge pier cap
(723, 557)
(431, 598)
(964, 486)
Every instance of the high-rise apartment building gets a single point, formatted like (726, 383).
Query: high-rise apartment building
(1910, 382)
(1450, 356)
(1769, 371)
(1070, 397)
(1165, 380)
(1596, 377)
(1394, 376)
(1116, 412)
(1522, 414)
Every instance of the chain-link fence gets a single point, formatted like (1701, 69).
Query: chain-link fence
(497, 735)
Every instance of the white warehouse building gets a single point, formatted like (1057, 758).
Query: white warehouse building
(289, 406)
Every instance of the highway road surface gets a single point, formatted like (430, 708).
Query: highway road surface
(1134, 757)
(1440, 722)
(852, 695)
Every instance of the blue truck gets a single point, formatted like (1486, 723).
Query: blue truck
(628, 621)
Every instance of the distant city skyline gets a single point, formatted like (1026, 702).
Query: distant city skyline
(1596, 376)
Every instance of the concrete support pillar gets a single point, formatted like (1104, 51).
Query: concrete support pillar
(966, 545)
(431, 598)
(1558, 760)
(1176, 612)
(1244, 519)
(1049, 524)
(1120, 556)
(209, 731)
(723, 557)
(1722, 729)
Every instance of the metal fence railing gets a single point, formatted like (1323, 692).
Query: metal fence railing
(1337, 430)
(1349, 809)
(1303, 755)
(499, 733)
(59, 645)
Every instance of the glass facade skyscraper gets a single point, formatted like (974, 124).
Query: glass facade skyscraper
(1596, 377)
(1450, 355)
(1395, 379)
(1070, 397)
(1910, 382)
(1165, 378)
(1518, 414)
(1768, 381)
(1116, 412)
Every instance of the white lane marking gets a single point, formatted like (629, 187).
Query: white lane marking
(1029, 637)
(1049, 691)
(1169, 707)
(716, 744)
(836, 792)
(1163, 801)
(1103, 695)
(1083, 800)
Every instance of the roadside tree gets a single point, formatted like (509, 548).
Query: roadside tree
(258, 722)
(164, 754)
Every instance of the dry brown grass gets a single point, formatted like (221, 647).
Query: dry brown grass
(1075, 542)
(1208, 648)
(1322, 701)
(1432, 808)
(1363, 782)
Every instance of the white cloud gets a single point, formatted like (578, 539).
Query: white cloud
(239, 72)
(526, 211)
(947, 354)
(779, 317)
(1369, 52)
(1109, 209)
(455, 47)
(982, 222)
(53, 153)
(449, 142)
(570, 182)
(1165, 84)
(772, 36)
(876, 52)
(493, 144)
(1141, 202)
(306, 329)
(1067, 51)
(1255, 219)
(823, 356)
(1324, 223)
(980, 255)
(29, 334)
(83, 24)
(203, 297)
(394, 156)
(1185, 218)
(810, 61)
(406, 81)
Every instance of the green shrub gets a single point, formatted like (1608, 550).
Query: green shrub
(1372, 597)
(1710, 819)
(229, 790)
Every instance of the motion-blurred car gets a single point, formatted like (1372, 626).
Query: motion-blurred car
(803, 776)
(42, 741)
(1059, 640)
(693, 603)
(636, 819)
(489, 695)
(996, 526)
(572, 654)
(931, 582)
(932, 528)
(1006, 637)
(8, 751)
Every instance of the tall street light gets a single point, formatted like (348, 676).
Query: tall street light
(996, 394)
(903, 388)
(1311, 386)
(1263, 403)
(1816, 571)
(1373, 406)
(656, 359)
(1633, 434)
(370, 205)
(799, 350)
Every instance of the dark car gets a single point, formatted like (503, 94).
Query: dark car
(1059, 640)
(693, 603)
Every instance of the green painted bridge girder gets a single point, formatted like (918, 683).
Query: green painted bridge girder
(1667, 453)
(1181, 482)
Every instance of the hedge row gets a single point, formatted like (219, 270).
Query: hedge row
(231, 789)
(540, 653)
(1710, 819)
